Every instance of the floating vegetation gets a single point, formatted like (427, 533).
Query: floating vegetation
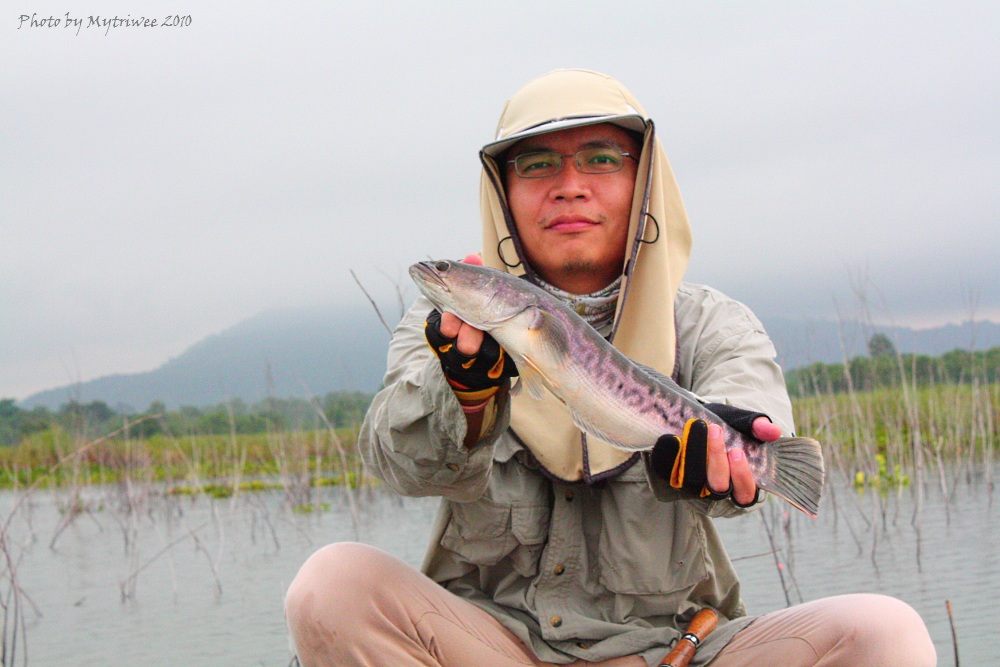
(251, 486)
(311, 508)
(884, 479)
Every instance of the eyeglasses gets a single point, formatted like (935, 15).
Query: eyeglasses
(602, 160)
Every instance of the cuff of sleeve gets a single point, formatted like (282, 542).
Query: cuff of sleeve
(480, 395)
(496, 416)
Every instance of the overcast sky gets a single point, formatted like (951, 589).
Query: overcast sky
(158, 185)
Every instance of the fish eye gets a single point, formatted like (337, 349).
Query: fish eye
(442, 266)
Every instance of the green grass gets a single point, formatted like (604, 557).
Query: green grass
(880, 438)
(885, 436)
(211, 464)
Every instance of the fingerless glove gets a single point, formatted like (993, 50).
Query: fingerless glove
(683, 461)
(472, 377)
(740, 419)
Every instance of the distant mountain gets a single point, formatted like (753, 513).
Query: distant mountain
(802, 342)
(280, 353)
(316, 351)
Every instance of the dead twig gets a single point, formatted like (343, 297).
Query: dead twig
(954, 635)
(128, 585)
(372, 302)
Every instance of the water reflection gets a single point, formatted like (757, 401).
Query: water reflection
(193, 581)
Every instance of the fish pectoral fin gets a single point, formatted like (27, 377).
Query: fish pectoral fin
(549, 339)
(592, 429)
(538, 320)
(533, 377)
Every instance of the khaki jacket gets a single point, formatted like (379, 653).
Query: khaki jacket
(575, 571)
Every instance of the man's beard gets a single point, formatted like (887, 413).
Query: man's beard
(578, 267)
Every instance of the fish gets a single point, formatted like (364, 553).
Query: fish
(609, 396)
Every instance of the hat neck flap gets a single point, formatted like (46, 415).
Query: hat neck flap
(644, 328)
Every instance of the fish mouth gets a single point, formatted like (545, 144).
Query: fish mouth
(426, 272)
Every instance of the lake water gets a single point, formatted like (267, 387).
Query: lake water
(182, 581)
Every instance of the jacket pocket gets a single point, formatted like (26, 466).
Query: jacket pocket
(659, 552)
(530, 524)
(485, 532)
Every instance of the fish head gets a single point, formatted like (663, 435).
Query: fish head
(483, 297)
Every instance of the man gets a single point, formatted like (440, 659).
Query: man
(551, 547)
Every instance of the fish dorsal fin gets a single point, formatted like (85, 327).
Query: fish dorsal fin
(656, 375)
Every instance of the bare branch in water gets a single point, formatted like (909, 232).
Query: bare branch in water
(777, 560)
(372, 302)
(954, 635)
(400, 297)
(127, 585)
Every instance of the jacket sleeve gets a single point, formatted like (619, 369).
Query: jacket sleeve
(413, 432)
(725, 356)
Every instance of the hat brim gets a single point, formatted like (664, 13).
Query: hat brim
(633, 122)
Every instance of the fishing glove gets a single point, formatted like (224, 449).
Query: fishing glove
(683, 461)
(740, 419)
(474, 377)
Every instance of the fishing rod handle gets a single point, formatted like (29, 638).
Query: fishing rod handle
(700, 626)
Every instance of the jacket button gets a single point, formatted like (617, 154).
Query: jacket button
(558, 569)
(569, 495)
(453, 467)
(556, 621)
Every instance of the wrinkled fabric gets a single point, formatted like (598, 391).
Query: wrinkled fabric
(575, 571)
(596, 309)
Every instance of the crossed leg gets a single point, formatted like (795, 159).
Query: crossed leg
(352, 605)
(845, 630)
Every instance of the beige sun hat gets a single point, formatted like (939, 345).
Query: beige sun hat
(634, 122)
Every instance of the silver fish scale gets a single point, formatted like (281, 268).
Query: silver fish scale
(658, 402)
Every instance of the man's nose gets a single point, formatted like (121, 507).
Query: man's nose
(570, 182)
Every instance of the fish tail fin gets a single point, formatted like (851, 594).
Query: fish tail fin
(796, 472)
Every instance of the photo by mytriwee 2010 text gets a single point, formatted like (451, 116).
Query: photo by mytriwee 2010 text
(106, 23)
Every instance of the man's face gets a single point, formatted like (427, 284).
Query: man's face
(574, 226)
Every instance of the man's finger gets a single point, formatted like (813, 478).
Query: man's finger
(744, 486)
(470, 339)
(765, 430)
(450, 325)
(718, 462)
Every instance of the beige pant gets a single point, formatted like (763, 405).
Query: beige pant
(353, 605)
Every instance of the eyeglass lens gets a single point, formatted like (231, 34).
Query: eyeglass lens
(601, 160)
